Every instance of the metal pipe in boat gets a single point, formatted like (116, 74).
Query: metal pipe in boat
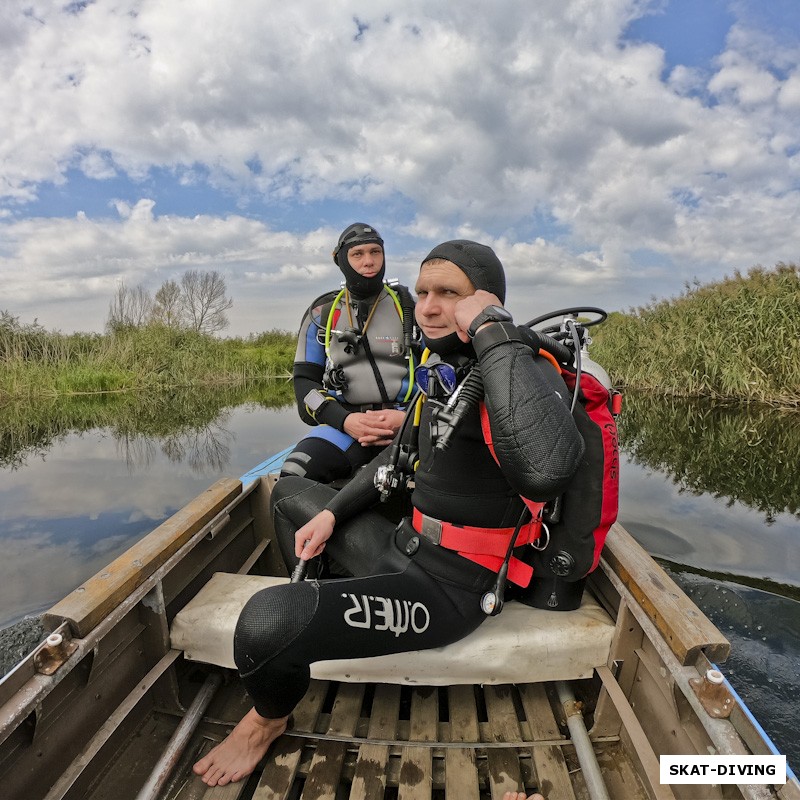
(177, 744)
(583, 744)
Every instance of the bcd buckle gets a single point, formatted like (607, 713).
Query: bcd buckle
(431, 529)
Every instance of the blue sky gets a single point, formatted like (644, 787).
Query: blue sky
(610, 151)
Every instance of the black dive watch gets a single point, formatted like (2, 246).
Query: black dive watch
(489, 314)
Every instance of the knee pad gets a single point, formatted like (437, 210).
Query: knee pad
(270, 621)
(317, 459)
(288, 486)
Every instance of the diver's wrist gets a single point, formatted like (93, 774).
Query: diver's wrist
(491, 336)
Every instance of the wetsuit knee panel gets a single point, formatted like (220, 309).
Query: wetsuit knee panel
(320, 456)
(299, 499)
(270, 621)
(288, 487)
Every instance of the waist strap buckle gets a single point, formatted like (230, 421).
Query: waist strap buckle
(431, 529)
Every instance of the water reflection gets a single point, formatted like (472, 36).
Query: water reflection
(188, 426)
(202, 447)
(81, 481)
(694, 494)
(744, 454)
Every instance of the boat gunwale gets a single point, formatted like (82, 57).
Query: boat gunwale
(36, 687)
(84, 607)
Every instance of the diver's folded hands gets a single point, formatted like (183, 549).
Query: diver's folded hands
(373, 427)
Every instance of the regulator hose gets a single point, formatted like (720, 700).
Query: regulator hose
(541, 341)
(468, 395)
(407, 304)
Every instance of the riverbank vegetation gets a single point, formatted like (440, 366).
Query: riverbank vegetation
(736, 339)
(36, 362)
(733, 340)
(186, 424)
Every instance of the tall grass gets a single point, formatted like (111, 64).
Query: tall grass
(35, 362)
(736, 339)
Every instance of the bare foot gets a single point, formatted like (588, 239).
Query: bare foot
(238, 754)
(521, 796)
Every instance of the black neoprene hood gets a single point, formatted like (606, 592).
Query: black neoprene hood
(356, 234)
(477, 261)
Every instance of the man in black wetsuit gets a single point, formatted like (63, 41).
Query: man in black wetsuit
(420, 584)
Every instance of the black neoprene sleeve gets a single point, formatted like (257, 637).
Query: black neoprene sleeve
(535, 438)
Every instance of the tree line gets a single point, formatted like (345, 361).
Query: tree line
(198, 303)
(155, 341)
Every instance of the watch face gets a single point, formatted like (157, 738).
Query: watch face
(314, 400)
(497, 314)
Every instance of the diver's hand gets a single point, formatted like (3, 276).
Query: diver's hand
(309, 541)
(372, 427)
(388, 419)
(469, 307)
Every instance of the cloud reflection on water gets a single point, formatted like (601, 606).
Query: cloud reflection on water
(66, 515)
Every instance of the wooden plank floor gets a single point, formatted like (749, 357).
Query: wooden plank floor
(461, 765)
(548, 760)
(380, 742)
(369, 776)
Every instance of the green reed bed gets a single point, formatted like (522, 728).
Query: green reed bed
(734, 339)
(35, 362)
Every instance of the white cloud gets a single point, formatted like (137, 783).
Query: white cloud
(83, 260)
(464, 118)
(789, 97)
(749, 83)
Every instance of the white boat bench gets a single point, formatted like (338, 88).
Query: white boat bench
(520, 645)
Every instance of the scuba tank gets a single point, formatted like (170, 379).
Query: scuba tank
(579, 520)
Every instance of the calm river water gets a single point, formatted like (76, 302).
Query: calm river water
(710, 491)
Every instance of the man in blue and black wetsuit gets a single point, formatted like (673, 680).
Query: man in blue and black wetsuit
(354, 363)
(419, 584)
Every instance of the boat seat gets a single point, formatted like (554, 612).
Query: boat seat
(520, 645)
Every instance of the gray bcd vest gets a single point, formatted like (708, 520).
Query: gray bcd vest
(383, 351)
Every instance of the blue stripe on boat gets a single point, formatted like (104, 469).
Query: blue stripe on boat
(756, 724)
(272, 464)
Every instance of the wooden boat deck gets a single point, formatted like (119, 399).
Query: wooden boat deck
(387, 742)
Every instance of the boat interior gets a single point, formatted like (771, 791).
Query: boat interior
(136, 682)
